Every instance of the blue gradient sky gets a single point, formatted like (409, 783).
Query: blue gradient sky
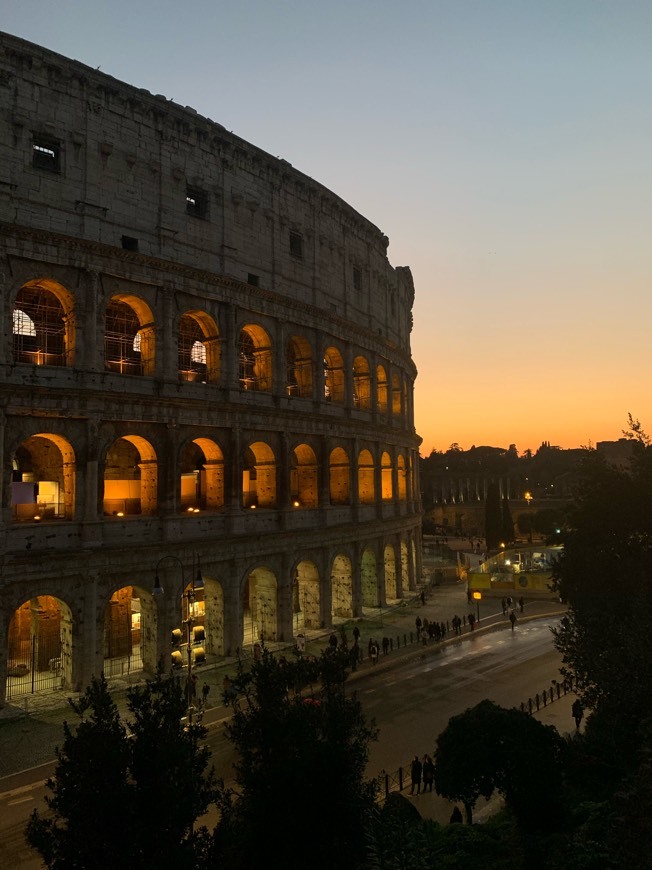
(503, 146)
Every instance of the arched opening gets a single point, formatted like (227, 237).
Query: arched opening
(298, 358)
(305, 597)
(369, 580)
(43, 479)
(342, 587)
(255, 359)
(366, 484)
(129, 341)
(406, 397)
(303, 477)
(390, 574)
(130, 478)
(44, 324)
(339, 477)
(259, 606)
(386, 476)
(381, 389)
(130, 632)
(361, 384)
(334, 376)
(202, 477)
(199, 348)
(402, 477)
(396, 395)
(259, 476)
(39, 647)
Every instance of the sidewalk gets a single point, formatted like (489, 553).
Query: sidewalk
(31, 728)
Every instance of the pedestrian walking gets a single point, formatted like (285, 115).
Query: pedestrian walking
(373, 652)
(504, 605)
(354, 655)
(205, 689)
(471, 619)
(418, 625)
(578, 713)
(385, 645)
(521, 604)
(428, 769)
(356, 633)
(416, 769)
(512, 618)
(422, 596)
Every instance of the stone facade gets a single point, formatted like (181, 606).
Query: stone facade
(206, 370)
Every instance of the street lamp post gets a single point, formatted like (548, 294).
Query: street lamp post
(528, 498)
(477, 597)
(187, 594)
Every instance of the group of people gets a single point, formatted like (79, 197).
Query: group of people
(422, 771)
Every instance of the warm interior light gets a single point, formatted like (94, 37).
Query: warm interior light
(195, 510)
(190, 510)
(37, 518)
(296, 503)
(252, 507)
(120, 514)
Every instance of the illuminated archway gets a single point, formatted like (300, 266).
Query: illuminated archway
(342, 587)
(129, 336)
(202, 476)
(255, 359)
(39, 647)
(339, 477)
(305, 597)
(386, 476)
(381, 389)
(361, 384)
(43, 484)
(402, 477)
(199, 348)
(366, 481)
(44, 324)
(259, 476)
(303, 477)
(130, 626)
(259, 606)
(333, 376)
(298, 357)
(130, 477)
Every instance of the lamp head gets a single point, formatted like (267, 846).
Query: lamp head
(157, 589)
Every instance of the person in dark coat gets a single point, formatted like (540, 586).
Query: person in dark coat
(578, 713)
(416, 769)
(428, 768)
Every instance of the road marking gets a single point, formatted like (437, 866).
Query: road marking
(20, 800)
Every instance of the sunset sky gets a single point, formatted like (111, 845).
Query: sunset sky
(504, 146)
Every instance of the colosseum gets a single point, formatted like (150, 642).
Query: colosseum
(207, 392)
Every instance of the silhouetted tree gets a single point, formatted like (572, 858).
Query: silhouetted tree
(507, 522)
(302, 755)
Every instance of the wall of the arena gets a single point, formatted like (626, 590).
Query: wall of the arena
(206, 371)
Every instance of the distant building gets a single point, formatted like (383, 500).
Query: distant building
(206, 371)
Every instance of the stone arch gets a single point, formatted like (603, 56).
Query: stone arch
(339, 477)
(381, 389)
(369, 579)
(259, 476)
(130, 477)
(303, 477)
(43, 479)
(201, 476)
(396, 395)
(333, 376)
(306, 602)
(361, 383)
(342, 587)
(199, 348)
(386, 472)
(213, 597)
(255, 358)
(43, 324)
(260, 606)
(389, 558)
(130, 632)
(129, 336)
(298, 358)
(402, 477)
(366, 480)
(39, 647)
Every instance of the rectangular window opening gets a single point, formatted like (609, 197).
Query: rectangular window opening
(254, 280)
(129, 243)
(46, 154)
(296, 245)
(196, 203)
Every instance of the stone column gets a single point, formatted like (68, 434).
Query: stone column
(148, 487)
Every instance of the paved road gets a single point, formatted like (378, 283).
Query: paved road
(411, 698)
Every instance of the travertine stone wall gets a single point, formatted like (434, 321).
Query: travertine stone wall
(108, 193)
